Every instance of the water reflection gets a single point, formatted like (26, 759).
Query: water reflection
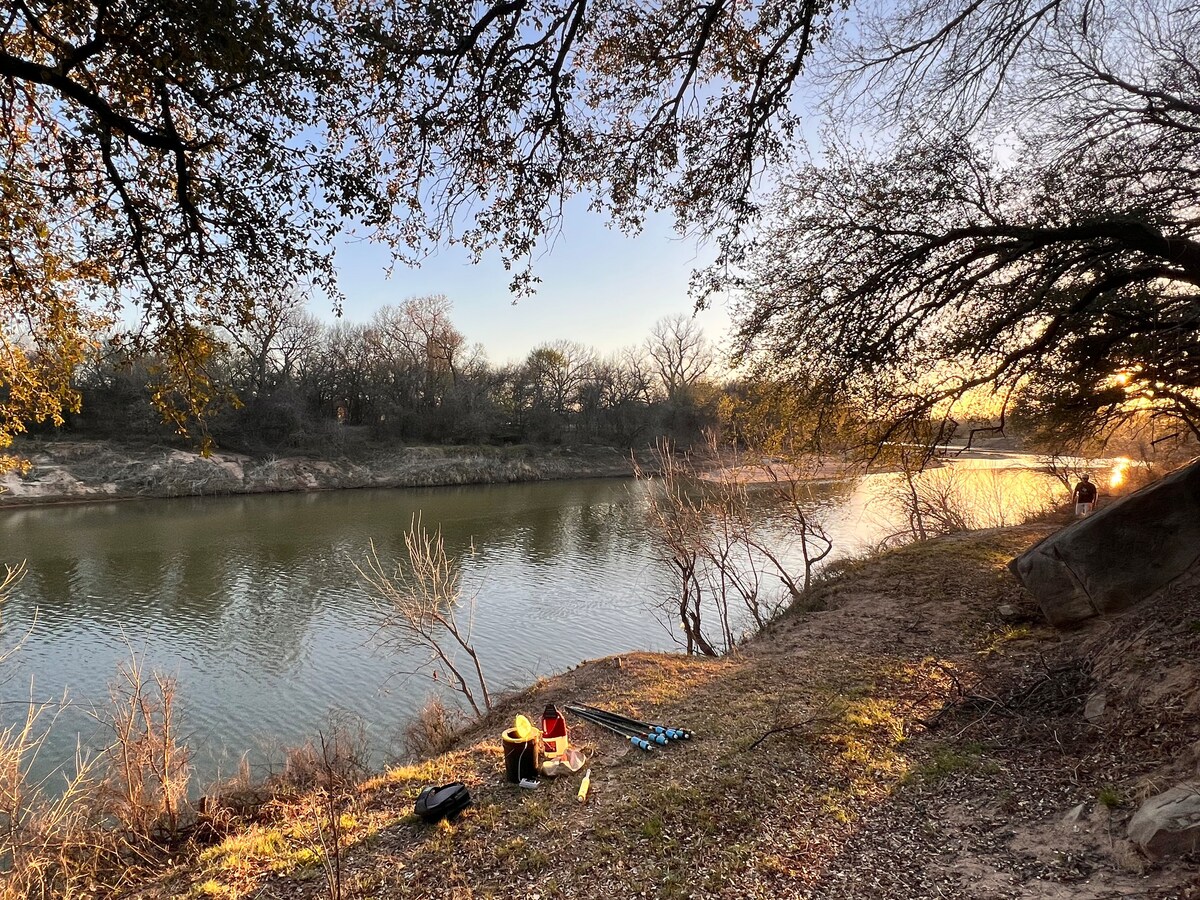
(254, 605)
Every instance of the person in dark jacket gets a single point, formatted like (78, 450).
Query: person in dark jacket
(1085, 496)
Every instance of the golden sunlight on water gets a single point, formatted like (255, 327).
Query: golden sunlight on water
(987, 497)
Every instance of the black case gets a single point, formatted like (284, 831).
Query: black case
(435, 803)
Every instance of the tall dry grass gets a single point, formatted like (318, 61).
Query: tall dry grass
(51, 840)
(147, 769)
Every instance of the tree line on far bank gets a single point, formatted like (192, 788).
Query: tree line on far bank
(288, 382)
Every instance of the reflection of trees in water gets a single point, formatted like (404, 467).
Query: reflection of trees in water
(540, 522)
(47, 589)
(611, 526)
(239, 591)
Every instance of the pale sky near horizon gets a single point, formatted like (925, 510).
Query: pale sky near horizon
(599, 287)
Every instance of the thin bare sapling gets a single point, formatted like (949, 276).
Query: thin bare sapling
(419, 597)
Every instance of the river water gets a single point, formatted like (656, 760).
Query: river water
(254, 605)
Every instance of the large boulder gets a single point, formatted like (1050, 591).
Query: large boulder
(1169, 824)
(1118, 556)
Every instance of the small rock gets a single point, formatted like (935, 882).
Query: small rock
(1009, 613)
(1169, 824)
(1093, 710)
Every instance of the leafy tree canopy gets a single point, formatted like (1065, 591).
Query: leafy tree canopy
(1021, 220)
(182, 158)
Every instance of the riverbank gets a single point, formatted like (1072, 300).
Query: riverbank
(76, 471)
(79, 471)
(914, 731)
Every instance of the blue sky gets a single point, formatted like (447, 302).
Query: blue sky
(599, 287)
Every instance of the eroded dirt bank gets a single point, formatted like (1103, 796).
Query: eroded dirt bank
(64, 471)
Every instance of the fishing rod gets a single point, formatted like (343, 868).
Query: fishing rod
(670, 731)
(589, 712)
(658, 735)
(640, 740)
(634, 734)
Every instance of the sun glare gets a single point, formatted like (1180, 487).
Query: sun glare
(1117, 476)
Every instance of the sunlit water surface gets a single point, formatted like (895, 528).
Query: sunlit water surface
(254, 605)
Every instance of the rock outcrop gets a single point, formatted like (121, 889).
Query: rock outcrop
(1122, 554)
(1169, 824)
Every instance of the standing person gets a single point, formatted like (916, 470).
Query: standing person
(1085, 496)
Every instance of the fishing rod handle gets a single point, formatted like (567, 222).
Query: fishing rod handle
(673, 733)
(640, 744)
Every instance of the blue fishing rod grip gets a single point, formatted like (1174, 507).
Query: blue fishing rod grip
(640, 744)
(673, 733)
(659, 739)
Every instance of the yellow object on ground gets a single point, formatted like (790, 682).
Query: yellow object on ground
(524, 728)
(584, 785)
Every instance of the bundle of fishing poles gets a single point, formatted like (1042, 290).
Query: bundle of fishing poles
(643, 735)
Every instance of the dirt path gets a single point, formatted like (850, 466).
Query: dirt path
(899, 741)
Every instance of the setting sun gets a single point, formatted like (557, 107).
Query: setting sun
(1117, 477)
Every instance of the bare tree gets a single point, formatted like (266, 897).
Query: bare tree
(713, 537)
(680, 353)
(1034, 238)
(793, 497)
(678, 524)
(269, 343)
(419, 347)
(557, 372)
(420, 595)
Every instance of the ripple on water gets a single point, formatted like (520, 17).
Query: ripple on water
(254, 605)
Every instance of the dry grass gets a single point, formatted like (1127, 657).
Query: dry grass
(433, 731)
(900, 743)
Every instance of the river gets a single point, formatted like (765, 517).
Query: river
(254, 605)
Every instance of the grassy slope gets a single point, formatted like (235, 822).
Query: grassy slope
(920, 748)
